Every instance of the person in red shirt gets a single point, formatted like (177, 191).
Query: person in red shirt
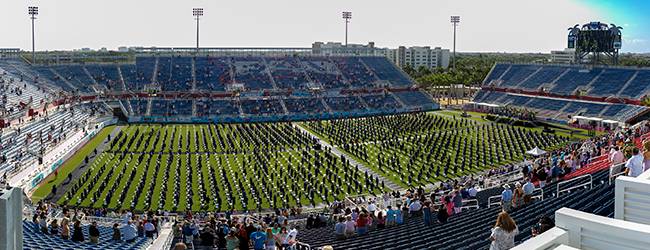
(362, 224)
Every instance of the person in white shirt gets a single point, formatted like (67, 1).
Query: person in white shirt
(634, 165)
(473, 191)
(415, 207)
(616, 156)
(349, 227)
(372, 208)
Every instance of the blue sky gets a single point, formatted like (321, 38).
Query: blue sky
(486, 25)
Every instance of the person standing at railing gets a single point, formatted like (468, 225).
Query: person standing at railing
(506, 198)
(528, 188)
(646, 155)
(634, 165)
(616, 156)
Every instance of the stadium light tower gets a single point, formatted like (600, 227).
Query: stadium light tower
(197, 13)
(347, 15)
(455, 20)
(33, 11)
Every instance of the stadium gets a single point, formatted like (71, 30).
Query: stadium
(320, 148)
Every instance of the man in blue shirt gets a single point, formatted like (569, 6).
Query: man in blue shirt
(259, 239)
(506, 198)
(130, 232)
(529, 188)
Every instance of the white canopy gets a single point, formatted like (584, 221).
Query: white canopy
(536, 152)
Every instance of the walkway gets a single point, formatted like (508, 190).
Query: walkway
(79, 170)
(335, 150)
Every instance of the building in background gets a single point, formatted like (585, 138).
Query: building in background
(425, 56)
(414, 56)
(566, 56)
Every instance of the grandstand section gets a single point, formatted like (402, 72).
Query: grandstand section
(260, 88)
(557, 92)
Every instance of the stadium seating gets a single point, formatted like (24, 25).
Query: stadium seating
(270, 86)
(216, 107)
(387, 71)
(349, 103)
(212, 73)
(470, 229)
(262, 107)
(553, 108)
(35, 239)
(596, 81)
(413, 98)
(107, 75)
(40, 136)
(305, 105)
(381, 101)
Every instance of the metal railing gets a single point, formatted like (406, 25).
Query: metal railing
(540, 196)
(616, 171)
(494, 197)
(590, 184)
(469, 204)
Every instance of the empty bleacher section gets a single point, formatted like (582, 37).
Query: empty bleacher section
(556, 91)
(25, 145)
(295, 87)
(561, 108)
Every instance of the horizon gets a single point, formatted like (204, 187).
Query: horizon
(541, 29)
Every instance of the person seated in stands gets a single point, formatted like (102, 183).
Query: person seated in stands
(117, 235)
(415, 208)
(381, 220)
(54, 227)
(207, 235)
(349, 226)
(545, 223)
(322, 220)
(541, 175)
(232, 242)
(458, 202)
(259, 238)
(442, 214)
(503, 233)
(528, 189)
(634, 165)
(390, 216)
(77, 234)
(372, 208)
(310, 221)
(65, 228)
(362, 224)
(518, 196)
(43, 223)
(140, 228)
(150, 229)
(94, 233)
(130, 232)
(426, 212)
(339, 228)
(506, 198)
(472, 191)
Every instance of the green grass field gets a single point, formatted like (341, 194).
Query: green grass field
(259, 166)
(414, 150)
(71, 164)
(215, 168)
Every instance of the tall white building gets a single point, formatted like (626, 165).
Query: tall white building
(402, 56)
(566, 56)
(422, 56)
